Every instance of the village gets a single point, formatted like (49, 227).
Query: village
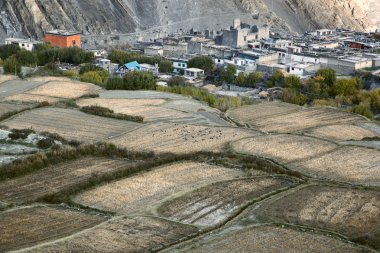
(240, 50)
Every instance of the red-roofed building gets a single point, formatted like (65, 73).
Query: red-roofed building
(63, 39)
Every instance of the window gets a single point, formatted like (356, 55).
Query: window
(292, 68)
(74, 43)
(23, 45)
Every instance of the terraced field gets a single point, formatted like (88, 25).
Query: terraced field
(16, 86)
(213, 204)
(6, 107)
(252, 113)
(56, 178)
(5, 78)
(24, 97)
(180, 138)
(356, 165)
(306, 119)
(28, 226)
(141, 94)
(125, 234)
(160, 109)
(269, 240)
(355, 213)
(283, 148)
(144, 191)
(342, 132)
(64, 89)
(70, 124)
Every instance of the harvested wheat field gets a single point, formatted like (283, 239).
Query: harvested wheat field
(188, 105)
(6, 78)
(67, 90)
(306, 119)
(266, 239)
(126, 234)
(50, 79)
(342, 132)
(17, 86)
(7, 107)
(143, 191)
(28, 226)
(251, 113)
(24, 97)
(213, 204)
(140, 94)
(355, 165)
(71, 124)
(57, 178)
(118, 105)
(180, 138)
(283, 148)
(354, 213)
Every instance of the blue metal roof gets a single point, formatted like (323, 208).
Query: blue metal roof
(134, 65)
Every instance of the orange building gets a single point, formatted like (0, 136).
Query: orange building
(63, 39)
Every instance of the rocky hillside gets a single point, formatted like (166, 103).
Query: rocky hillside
(32, 17)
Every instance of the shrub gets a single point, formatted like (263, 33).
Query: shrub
(45, 143)
(89, 67)
(294, 97)
(228, 74)
(134, 80)
(292, 82)
(165, 66)
(364, 109)
(176, 81)
(105, 112)
(91, 77)
(12, 66)
(20, 133)
(201, 62)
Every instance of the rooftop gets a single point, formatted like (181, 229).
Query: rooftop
(63, 32)
(18, 40)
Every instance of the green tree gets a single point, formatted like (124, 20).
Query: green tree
(176, 81)
(165, 66)
(364, 108)
(328, 76)
(201, 62)
(12, 66)
(293, 96)
(276, 79)
(346, 87)
(228, 74)
(26, 58)
(253, 78)
(292, 82)
(313, 88)
(8, 50)
(139, 81)
(89, 67)
(240, 79)
(91, 77)
(1, 62)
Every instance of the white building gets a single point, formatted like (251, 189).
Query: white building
(154, 51)
(179, 65)
(26, 44)
(107, 65)
(194, 73)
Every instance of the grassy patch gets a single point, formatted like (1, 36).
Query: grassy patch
(105, 112)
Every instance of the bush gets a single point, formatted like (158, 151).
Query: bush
(165, 66)
(276, 79)
(176, 81)
(91, 77)
(45, 143)
(292, 82)
(201, 62)
(12, 66)
(134, 80)
(364, 109)
(228, 74)
(105, 112)
(20, 133)
(294, 97)
(89, 67)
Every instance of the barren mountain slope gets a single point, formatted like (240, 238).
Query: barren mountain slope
(32, 17)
